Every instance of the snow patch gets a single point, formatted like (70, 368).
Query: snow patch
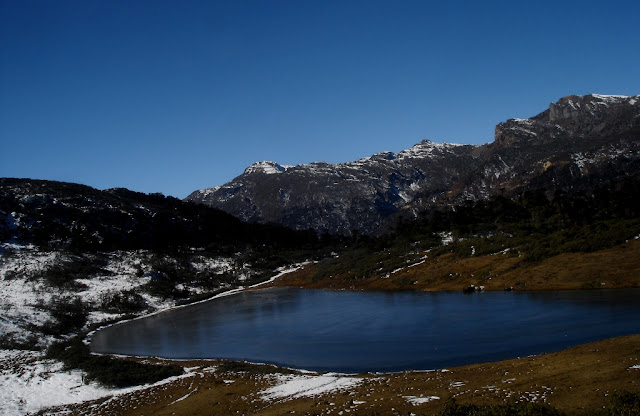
(610, 98)
(416, 401)
(295, 386)
(446, 238)
(266, 167)
(28, 383)
(415, 186)
(426, 149)
(581, 161)
(523, 130)
(527, 121)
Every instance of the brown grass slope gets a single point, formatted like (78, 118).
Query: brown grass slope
(615, 267)
(575, 380)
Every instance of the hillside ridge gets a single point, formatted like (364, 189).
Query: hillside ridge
(577, 143)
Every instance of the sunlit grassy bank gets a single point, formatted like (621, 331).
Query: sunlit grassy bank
(577, 381)
(615, 267)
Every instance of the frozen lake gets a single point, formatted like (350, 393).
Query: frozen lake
(376, 331)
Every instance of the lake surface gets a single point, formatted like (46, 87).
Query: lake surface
(376, 331)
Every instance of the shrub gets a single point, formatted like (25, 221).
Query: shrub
(64, 275)
(12, 342)
(122, 302)
(165, 289)
(69, 315)
(624, 403)
(621, 403)
(109, 371)
(453, 408)
(245, 367)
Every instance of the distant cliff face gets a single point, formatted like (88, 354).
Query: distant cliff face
(341, 198)
(579, 142)
(585, 117)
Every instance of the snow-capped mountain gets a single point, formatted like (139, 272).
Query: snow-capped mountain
(341, 198)
(577, 143)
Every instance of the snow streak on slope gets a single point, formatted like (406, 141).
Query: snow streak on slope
(295, 386)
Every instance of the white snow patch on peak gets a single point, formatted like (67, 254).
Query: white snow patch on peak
(613, 99)
(266, 167)
(609, 97)
(523, 120)
(426, 148)
(209, 191)
(384, 155)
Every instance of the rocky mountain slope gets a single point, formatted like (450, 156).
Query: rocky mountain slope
(576, 144)
(339, 198)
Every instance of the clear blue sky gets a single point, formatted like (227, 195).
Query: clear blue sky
(174, 96)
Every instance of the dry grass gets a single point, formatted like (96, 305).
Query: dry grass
(612, 268)
(573, 380)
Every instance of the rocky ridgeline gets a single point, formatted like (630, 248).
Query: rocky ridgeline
(341, 198)
(576, 144)
(573, 117)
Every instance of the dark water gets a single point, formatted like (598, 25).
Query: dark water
(377, 331)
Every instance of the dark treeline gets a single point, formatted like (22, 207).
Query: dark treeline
(537, 224)
(529, 212)
(83, 219)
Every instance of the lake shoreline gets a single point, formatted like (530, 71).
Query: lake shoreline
(301, 276)
(326, 330)
(573, 389)
(572, 380)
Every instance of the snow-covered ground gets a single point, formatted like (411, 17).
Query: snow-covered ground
(21, 296)
(24, 294)
(29, 381)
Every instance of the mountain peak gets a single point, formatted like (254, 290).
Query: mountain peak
(573, 116)
(428, 149)
(576, 106)
(266, 167)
